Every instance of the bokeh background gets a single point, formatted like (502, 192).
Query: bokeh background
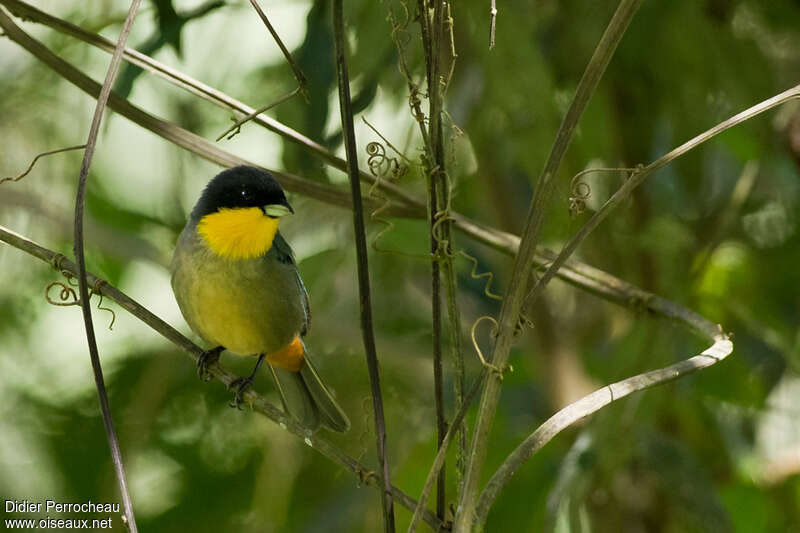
(714, 452)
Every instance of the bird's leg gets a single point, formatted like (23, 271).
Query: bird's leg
(208, 358)
(242, 384)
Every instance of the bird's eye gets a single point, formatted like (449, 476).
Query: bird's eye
(246, 194)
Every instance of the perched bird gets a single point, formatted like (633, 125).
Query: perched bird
(237, 285)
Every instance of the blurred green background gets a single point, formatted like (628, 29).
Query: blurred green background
(715, 452)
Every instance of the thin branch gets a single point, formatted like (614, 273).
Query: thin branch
(639, 175)
(588, 405)
(83, 288)
(517, 289)
(492, 22)
(258, 403)
(436, 338)
(437, 183)
(35, 159)
(298, 74)
(237, 125)
(346, 112)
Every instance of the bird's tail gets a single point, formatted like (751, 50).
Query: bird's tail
(306, 398)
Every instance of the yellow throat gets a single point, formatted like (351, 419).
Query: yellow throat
(240, 233)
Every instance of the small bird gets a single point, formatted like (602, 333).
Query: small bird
(237, 285)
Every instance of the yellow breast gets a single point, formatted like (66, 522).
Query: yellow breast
(241, 233)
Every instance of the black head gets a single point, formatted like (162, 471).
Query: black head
(240, 186)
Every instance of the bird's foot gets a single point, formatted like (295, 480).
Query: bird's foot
(241, 385)
(207, 358)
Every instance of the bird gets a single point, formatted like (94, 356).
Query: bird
(236, 282)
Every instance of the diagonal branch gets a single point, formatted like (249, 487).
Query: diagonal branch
(255, 400)
(237, 124)
(346, 112)
(513, 300)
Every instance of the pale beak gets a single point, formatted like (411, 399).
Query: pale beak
(277, 210)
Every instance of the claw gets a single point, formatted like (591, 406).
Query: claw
(207, 358)
(241, 384)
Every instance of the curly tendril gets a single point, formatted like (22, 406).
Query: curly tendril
(580, 190)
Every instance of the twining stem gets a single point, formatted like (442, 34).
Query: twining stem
(441, 234)
(436, 320)
(430, 36)
(255, 400)
(517, 288)
(80, 257)
(346, 112)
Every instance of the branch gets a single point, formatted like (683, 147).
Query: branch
(237, 124)
(83, 289)
(346, 112)
(588, 405)
(492, 22)
(433, 143)
(258, 403)
(35, 159)
(517, 289)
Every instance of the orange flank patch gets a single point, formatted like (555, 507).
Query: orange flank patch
(290, 357)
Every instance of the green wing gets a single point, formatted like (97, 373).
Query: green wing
(305, 395)
(285, 255)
